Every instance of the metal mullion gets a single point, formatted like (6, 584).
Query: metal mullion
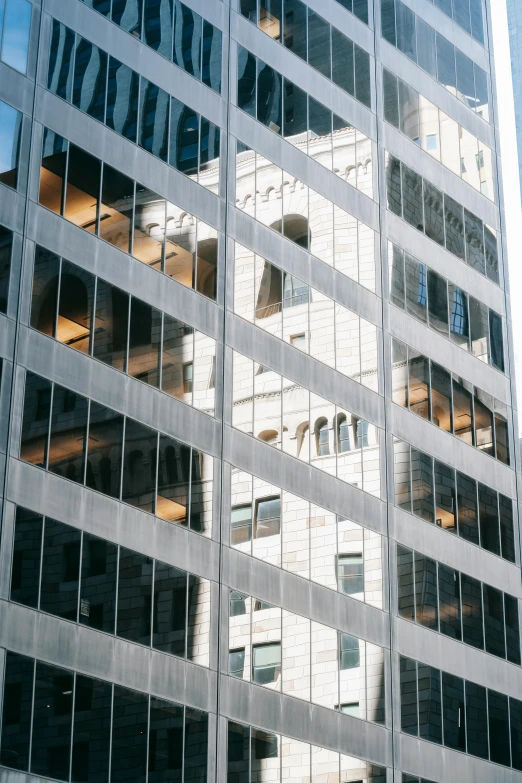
(72, 723)
(31, 722)
(79, 578)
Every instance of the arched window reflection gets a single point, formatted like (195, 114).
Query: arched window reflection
(321, 435)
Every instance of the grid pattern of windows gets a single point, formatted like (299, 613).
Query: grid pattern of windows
(105, 202)
(448, 401)
(438, 135)
(454, 604)
(79, 577)
(457, 72)
(441, 218)
(173, 30)
(101, 86)
(288, 308)
(63, 725)
(443, 306)
(439, 707)
(290, 207)
(433, 491)
(289, 417)
(255, 754)
(305, 539)
(85, 442)
(286, 109)
(316, 41)
(285, 652)
(94, 317)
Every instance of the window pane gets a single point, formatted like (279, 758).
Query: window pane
(134, 597)
(206, 260)
(35, 422)
(25, 572)
(515, 714)
(477, 720)
(144, 342)
(412, 198)
(489, 521)
(490, 240)
(502, 433)
(238, 745)
(430, 712)
(149, 227)
(212, 46)
(409, 702)
(269, 97)
(165, 742)
(92, 730)
(446, 64)
(319, 54)
(409, 111)
(405, 583)
(461, 14)
(201, 489)
(465, 79)
(60, 570)
(391, 98)
(52, 171)
(483, 421)
(438, 302)
(475, 242)
(360, 9)
(196, 746)
(157, 26)
(116, 208)
(52, 719)
(512, 628)
(498, 728)
(396, 260)
(453, 712)
(139, 465)
(17, 26)
(90, 79)
(426, 48)
(16, 715)
(400, 373)
(459, 316)
(68, 434)
(454, 225)
(419, 384)
(178, 352)
(246, 82)
(463, 412)
(83, 187)
(426, 605)
(11, 124)
(187, 39)
(422, 485)
(445, 497)
(494, 621)
(127, 14)
(154, 119)
(98, 583)
(472, 630)
(75, 308)
(434, 212)
(402, 474)
(441, 413)
(449, 602)
(184, 138)
(45, 291)
(406, 42)
(393, 185)
(506, 528)
(173, 480)
(416, 288)
(467, 507)
(496, 341)
(362, 76)
(170, 609)
(342, 62)
(122, 99)
(112, 325)
(209, 154)
(129, 736)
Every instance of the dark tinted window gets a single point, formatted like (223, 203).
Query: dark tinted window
(134, 597)
(445, 497)
(52, 171)
(92, 730)
(75, 308)
(16, 715)
(154, 119)
(144, 342)
(27, 547)
(187, 39)
(139, 465)
(68, 434)
(83, 189)
(472, 628)
(98, 583)
(406, 596)
(173, 480)
(409, 701)
(269, 96)
(449, 601)
(196, 746)
(35, 422)
(343, 73)
(512, 628)
(477, 720)
(489, 521)
(515, 714)
(454, 225)
(507, 538)
(122, 99)
(494, 621)
(128, 15)
(60, 570)
(238, 753)
(112, 324)
(59, 76)
(319, 53)
(170, 609)
(246, 85)
(426, 608)
(496, 341)
(498, 728)
(45, 291)
(129, 736)
(453, 712)
(105, 450)
(212, 48)
(51, 738)
(157, 25)
(90, 79)
(295, 31)
(438, 302)
(165, 742)
(434, 215)
(422, 485)
(430, 718)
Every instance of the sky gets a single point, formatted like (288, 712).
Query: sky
(509, 156)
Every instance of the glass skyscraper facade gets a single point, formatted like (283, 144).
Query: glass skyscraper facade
(259, 511)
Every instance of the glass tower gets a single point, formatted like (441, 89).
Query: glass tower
(258, 489)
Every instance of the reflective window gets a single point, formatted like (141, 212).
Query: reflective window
(16, 18)
(26, 563)
(92, 729)
(122, 99)
(10, 136)
(129, 735)
(52, 721)
(6, 247)
(17, 709)
(420, 204)
(98, 583)
(415, 475)
(90, 79)
(68, 434)
(60, 570)
(472, 325)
